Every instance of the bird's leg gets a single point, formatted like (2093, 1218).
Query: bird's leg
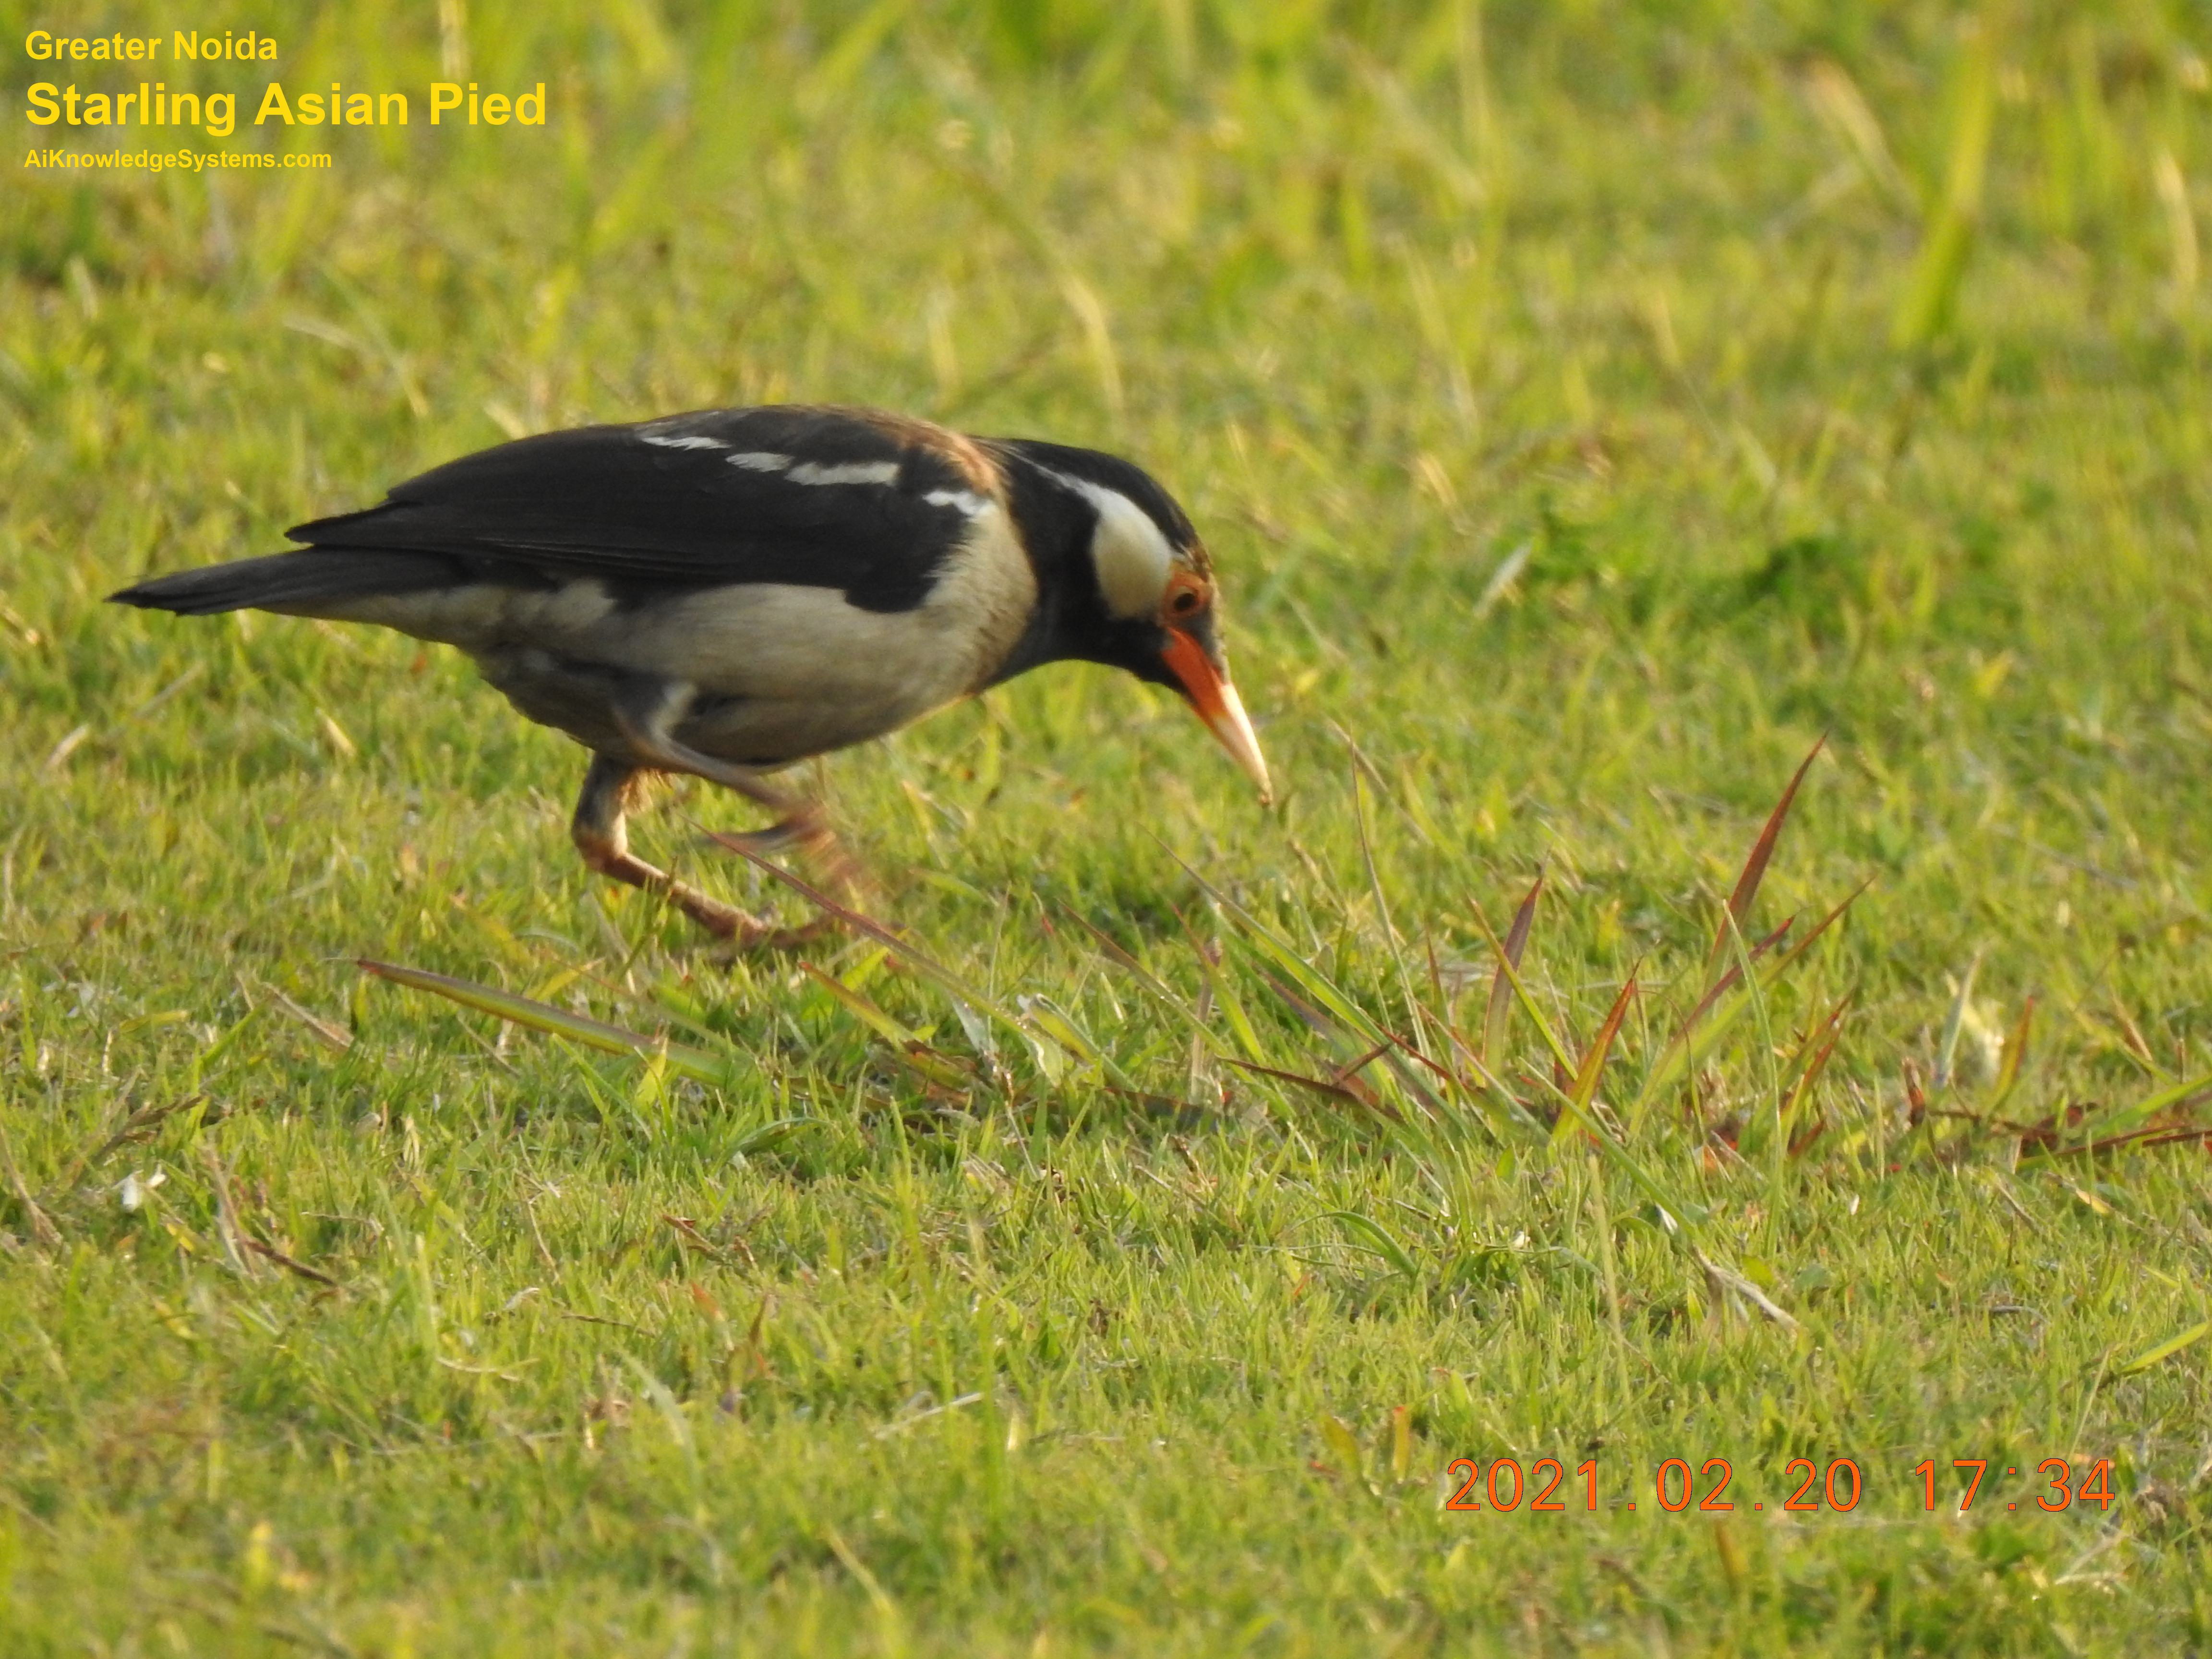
(599, 836)
(645, 721)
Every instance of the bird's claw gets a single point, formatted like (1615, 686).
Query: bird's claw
(759, 935)
(817, 843)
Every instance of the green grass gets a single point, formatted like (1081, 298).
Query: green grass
(1590, 409)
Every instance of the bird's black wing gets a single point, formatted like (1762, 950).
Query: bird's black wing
(869, 504)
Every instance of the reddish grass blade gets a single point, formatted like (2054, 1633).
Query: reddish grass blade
(1828, 1036)
(1319, 1085)
(1803, 1144)
(1501, 984)
(1728, 981)
(1411, 1084)
(1593, 1067)
(1681, 1052)
(1916, 1097)
(1762, 852)
(1309, 1016)
(1344, 1074)
(1484, 1082)
(1323, 1024)
(1594, 1062)
(2139, 1139)
(2167, 1105)
(1807, 1053)
(1825, 922)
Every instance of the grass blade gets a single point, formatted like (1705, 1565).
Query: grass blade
(1046, 1045)
(1382, 901)
(2120, 1123)
(1947, 1049)
(1791, 955)
(1931, 299)
(1827, 1034)
(1511, 971)
(1594, 1062)
(1318, 986)
(1754, 867)
(2166, 1350)
(920, 960)
(932, 1065)
(1501, 989)
(2015, 1054)
(1593, 1065)
(1162, 991)
(695, 1063)
(1319, 1085)
(1379, 1241)
(1693, 1042)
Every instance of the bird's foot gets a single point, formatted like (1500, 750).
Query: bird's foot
(827, 860)
(740, 930)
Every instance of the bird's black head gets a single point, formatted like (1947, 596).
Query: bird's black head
(1123, 580)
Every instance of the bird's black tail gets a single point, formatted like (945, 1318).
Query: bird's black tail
(296, 582)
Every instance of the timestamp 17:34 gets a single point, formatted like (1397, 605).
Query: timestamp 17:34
(1837, 1486)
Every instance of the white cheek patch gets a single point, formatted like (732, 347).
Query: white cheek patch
(1132, 556)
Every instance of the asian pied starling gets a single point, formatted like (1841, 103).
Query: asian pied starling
(726, 592)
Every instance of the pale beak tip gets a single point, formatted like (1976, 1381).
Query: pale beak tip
(1234, 728)
(1215, 701)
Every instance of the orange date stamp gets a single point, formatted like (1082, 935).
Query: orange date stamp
(1835, 1487)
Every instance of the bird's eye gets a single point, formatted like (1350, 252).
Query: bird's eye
(1185, 597)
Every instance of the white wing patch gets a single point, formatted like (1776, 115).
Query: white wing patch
(848, 472)
(1132, 558)
(967, 500)
(815, 472)
(676, 440)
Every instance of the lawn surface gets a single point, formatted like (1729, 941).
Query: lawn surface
(1591, 410)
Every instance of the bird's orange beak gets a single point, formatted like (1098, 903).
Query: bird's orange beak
(1217, 705)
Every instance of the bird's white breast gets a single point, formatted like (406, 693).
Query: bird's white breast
(778, 671)
(784, 642)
